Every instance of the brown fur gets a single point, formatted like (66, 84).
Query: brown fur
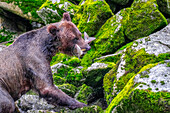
(25, 64)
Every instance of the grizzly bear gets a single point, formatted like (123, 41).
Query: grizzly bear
(25, 64)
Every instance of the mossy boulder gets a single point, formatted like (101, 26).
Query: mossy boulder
(143, 19)
(52, 10)
(95, 73)
(141, 94)
(69, 89)
(84, 93)
(91, 15)
(164, 7)
(88, 109)
(24, 8)
(144, 51)
(110, 37)
(6, 35)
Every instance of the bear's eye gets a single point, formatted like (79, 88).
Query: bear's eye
(75, 40)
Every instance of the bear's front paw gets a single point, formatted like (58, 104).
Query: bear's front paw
(77, 105)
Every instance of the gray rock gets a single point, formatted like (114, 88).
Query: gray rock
(11, 7)
(158, 78)
(2, 47)
(32, 104)
(156, 43)
(95, 73)
(58, 66)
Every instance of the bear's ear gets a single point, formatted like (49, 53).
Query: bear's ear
(66, 16)
(52, 29)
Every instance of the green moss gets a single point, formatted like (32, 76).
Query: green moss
(115, 59)
(69, 89)
(149, 89)
(153, 81)
(74, 62)
(123, 81)
(58, 80)
(91, 16)
(162, 82)
(89, 57)
(84, 93)
(87, 109)
(74, 77)
(135, 60)
(59, 58)
(110, 37)
(125, 92)
(28, 6)
(144, 76)
(6, 35)
(94, 77)
(141, 101)
(144, 18)
(108, 81)
(168, 64)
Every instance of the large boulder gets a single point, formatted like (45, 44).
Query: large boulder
(84, 93)
(32, 104)
(51, 11)
(95, 73)
(143, 19)
(22, 8)
(153, 49)
(146, 91)
(91, 15)
(140, 20)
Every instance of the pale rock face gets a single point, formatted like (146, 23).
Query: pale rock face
(97, 66)
(58, 66)
(160, 74)
(156, 43)
(44, 14)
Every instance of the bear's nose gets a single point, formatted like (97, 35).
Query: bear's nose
(88, 48)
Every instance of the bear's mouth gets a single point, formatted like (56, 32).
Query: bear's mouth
(77, 51)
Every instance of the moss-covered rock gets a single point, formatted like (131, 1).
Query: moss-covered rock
(110, 37)
(6, 35)
(52, 10)
(69, 89)
(141, 95)
(151, 49)
(24, 8)
(95, 73)
(143, 19)
(75, 77)
(88, 109)
(91, 15)
(84, 93)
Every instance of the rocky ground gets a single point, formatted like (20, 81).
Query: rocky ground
(128, 67)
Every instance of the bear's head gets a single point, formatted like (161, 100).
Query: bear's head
(71, 39)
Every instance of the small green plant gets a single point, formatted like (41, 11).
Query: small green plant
(162, 82)
(150, 89)
(153, 81)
